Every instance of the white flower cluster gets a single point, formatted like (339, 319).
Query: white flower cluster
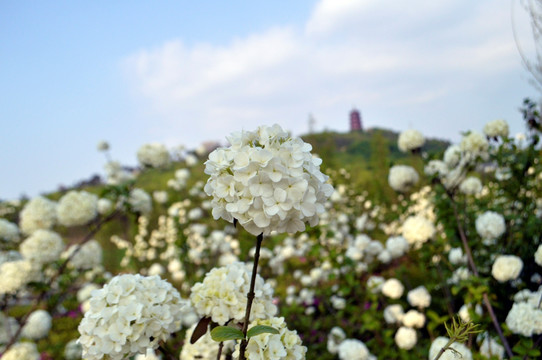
(490, 225)
(77, 208)
(204, 348)
(104, 206)
(88, 256)
(22, 351)
(393, 314)
(334, 339)
(406, 338)
(268, 181)
(154, 155)
(38, 213)
(284, 345)
(73, 350)
(440, 342)
(491, 348)
(538, 255)
(413, 319)
(354, 349)
(16, 274)
(102, 146)
(525, 318)
(140, 201)
(393, 288)
(470, 186)
(410, 140)
(180, 179)
(417, 230)
(506, 267)
(496, 128)
(419, 297)
(128, 315)
(397, 246)
(402, 178)
(223, 294)
(9, 232)
(37, 325)
(452, 156)
(42, 247)
(474, 144)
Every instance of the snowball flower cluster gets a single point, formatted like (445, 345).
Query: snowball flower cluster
(102, 146)
(417, 230)
(9, 232)
(334, 339)
(37, 325)
(223, 294)
(129, 315)
(413, 319)
(470, 186)
(15, 274)
(496, 128)
(402, 177)
(397, 246)
(354, 349)
(440, 342)
(393, 313)
(525, 318)
(490, 225)
(419, 297)
(452, 156)
(73, 350)
(490, 347)
(140, 201)
(506, 267)
(88, 256)
(77, 208)
(410, 140)
(474, 144)
(393, 288)
(154, 155)
(268, 181)
(22, 351)
(116, 174)
(104, 206)
(38, 213)
(284, 345)
(406, 338)
(43, 246)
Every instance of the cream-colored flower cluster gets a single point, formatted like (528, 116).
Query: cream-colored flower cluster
(37, 325)
(410, 140)
(77, 208)
(506, 267)
(284, 345)
(402, 178)
(140, 201)
(129, 315)
(38, 213)
(354, 349)
(154, 155)
(417, 230)
(461, 351)
(204, 348)
(22, 351)
(419, 297)
(471, 186)
(42, 247)
(496, 128)
(268, 181)
(223, 295)
(474, 144)
(525, 318)
(15, 275)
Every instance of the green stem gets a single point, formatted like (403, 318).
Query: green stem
(250, 297)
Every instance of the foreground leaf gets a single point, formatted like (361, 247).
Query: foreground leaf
(261, 329)
(224, 333)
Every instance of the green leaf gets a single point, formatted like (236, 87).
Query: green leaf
(261, 329)
(224, 333)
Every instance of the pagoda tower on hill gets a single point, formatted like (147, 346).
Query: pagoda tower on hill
(355, 120)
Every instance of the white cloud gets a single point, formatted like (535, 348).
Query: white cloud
(367, 53)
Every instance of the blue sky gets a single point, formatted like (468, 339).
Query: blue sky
(182, 72)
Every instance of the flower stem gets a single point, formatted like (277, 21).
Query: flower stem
(474, 269)
(250, 297)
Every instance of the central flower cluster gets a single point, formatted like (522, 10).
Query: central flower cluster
(268, 181)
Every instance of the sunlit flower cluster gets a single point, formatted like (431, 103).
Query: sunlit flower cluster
(86, 256)
(140, 201)
(354, 349)
(417, 230)
(496, 128)
(43, 246)
(16, 274)
(461, 351)
(128, 315)
(38, 213)
(410, 140)
(223, 295)
(268, 181)
(9, 232)
(474, 145)
(37, 325)
(77, 208)
(470, 186)
(22, 351)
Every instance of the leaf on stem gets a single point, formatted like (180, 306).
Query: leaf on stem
(261, 329)
(224, 333)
